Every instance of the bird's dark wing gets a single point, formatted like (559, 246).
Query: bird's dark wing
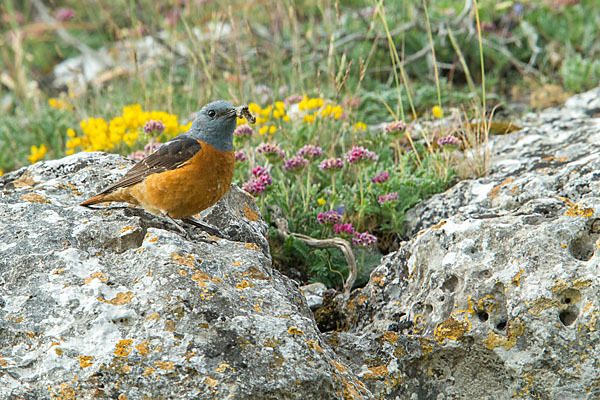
(171, 155)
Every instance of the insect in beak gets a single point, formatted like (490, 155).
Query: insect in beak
(244, 112)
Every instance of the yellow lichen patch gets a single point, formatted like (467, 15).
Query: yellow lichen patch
(3, 362)
(224, 367)
(516, 280)
(515, 329)
(576, 210)
(450, 329)
(126, 368)
(255, 274)
(148, 371)
(210, 381)
(496, 189)
(339, 366)
(96, 275)
(66, 392)
(188, 261)
(257, 308)
(252, 246)
(376, 372)
(119, 300)
(166, 365)
(292, 330)
(427, 347)
(153, 316)
(182, 272)
(123, 347)
(439, 225)
(236, 263)
(170, 325)
(143, 348)
(85, 361)
(122, 396)
(271, 342)
(576, 284)
(24, 181)
(244, 284)
(538, 305)
(250, 214)
(127, 228)
(35, 198)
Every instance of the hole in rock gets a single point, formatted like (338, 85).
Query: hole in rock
(483, 316)
(501, 325)
(567, 317)
(450, 284)
(583, 247)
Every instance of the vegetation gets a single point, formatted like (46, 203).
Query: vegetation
(351, 97)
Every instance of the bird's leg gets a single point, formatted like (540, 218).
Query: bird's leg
(179, 227)
(185, 233)
(205, 227)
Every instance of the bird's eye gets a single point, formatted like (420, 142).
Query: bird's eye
(211, 113)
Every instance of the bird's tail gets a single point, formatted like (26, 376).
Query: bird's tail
(94, 200)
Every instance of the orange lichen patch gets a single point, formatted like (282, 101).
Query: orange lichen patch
(188, 261)
(257, 308)
(58, 271)
(30, 334)
(69, 186)
(514, 190)
(35, 198)
(244, 284)
(294, 331)
(450, 329)
(439, 225)
(339, 366)
(496, 189)
(236, 263)
(250, 215)
(575, 210)
(85, 361)
(96, 275)
(154, 239)
(378, 280)
(564, 245)
(170, 325)
(182, 272)
(123, 347)
(252, 246)
(153, 316)
(376, 372)
(24, 181)
(202, 278)
(122, 396)
(361, 299)
(58, 351)
(390, 337)
(119, 300)
(127, 228)
(210, 381)
(516, 280)
(143, 348)
(3, 362)
(126, 368)
(66, 392)
(148, 371)
(224, 367)
(166, 365)
(255, 274)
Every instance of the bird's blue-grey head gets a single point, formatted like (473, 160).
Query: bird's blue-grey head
(214, 124)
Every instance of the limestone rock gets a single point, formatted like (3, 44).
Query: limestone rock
(105, 303)
(497, 294)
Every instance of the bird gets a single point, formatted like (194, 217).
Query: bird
(188, 173)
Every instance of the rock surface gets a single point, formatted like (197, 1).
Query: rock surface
(118, 304)
(497, 294)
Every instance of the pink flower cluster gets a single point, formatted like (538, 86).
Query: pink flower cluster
(359, 153)
(329, 217)
(154, 126)
(295, 163)
(388, 197)
(394, 127)
(344, 229)
(240, 156)
(258, 184)
(293, 99)
(270, 151)
(364, 239)
(380, 177)
(149, 148)
(448, 141)
(310, 151)
(244, 130)
(331, 164)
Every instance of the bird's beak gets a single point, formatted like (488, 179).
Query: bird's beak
(244, 112)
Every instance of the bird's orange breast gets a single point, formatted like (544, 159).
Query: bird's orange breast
(182, 192)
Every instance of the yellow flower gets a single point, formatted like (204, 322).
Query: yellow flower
(321, 201)
(309, 118)
(276, 114)
(254, 108)
(70, 133)
(438, 112)
(286, 118)
(280, 106)
(360, 126)
(263, 130)
(186, 127)
(1, 172)
(272, 129)
(37, 153)
(59, 104)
